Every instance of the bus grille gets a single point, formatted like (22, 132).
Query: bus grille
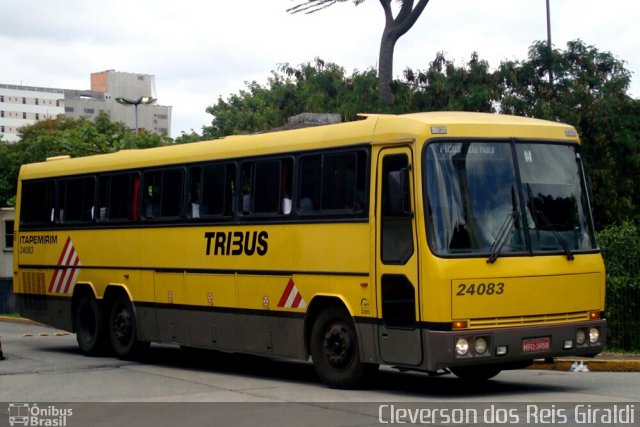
(505, 322)
(34, 291)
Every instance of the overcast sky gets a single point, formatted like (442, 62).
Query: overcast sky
(201, 50)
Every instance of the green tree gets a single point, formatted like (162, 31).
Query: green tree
(590, 92)
(66, 136)
(394, 28)
(313, 86)
(447, 87)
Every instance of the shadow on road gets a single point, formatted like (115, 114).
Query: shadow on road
(407, 384)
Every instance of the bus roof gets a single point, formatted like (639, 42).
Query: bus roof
(375, 128)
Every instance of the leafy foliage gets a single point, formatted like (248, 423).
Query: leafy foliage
(621, 251)
(589, 91)
(319, 87)
(66, 136)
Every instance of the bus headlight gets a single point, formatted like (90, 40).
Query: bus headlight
(581, 336)
(594, 335)
(480, 345)
(462, 346)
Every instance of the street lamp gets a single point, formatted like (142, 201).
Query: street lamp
(144, 100)
(549, 42)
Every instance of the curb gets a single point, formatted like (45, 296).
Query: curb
(594, 365)
(11, 319)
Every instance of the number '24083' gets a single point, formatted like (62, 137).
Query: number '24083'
(480, 289)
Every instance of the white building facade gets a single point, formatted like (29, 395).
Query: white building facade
(25, 105)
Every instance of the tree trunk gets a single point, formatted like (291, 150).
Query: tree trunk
(394, 28)
(385, 67)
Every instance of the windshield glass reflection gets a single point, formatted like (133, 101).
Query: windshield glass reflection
(477, 205)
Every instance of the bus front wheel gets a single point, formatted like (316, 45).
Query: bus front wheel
(90, 331)
(334, 350)
(123, 330)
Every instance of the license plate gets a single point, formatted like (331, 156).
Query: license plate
(536, 344)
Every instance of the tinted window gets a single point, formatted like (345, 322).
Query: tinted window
(266, 186)
(76, 200)
(162, 194)
(118, 197)
(38, 202)
(211, 190)
(333, 182)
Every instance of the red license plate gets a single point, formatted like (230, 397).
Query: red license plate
(536, 344)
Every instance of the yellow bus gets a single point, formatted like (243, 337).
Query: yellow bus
(439, 242)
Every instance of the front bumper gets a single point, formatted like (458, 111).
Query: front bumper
(521, 344)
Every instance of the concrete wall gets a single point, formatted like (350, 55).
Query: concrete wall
(7, 299)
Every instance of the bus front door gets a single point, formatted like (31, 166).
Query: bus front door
(399, 337)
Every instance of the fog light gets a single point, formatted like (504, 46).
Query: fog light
(594, 335)
(581, 336)
(462, 346)
(480, 345)
(501, 350)
(567, 345)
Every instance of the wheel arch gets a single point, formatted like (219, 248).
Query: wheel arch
(318, 304)
(115, 290)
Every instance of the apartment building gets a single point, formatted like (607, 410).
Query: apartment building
(25, 105)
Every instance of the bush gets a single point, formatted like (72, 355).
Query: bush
(621, 251)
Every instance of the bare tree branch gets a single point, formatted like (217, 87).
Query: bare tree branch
(394, 29)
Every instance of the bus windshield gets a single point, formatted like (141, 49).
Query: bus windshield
(490, 198)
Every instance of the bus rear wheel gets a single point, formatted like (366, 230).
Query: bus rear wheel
(334, 350)
(90, 331)
(123, 331)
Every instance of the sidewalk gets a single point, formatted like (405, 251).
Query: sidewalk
(604, 362)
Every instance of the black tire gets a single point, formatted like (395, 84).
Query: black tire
(476, 373)
(123, 331)
(335, 351)
(90, 331)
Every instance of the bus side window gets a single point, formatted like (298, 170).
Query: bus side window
(115, 197)
(267, 186)
(246, 187)
(333, 182)
(211, 190)
(310, 183)
(76, 200)
(162, 194)
(396, 225)
(339, 181)
(37, 205)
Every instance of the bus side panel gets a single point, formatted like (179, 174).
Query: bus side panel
(255, 332)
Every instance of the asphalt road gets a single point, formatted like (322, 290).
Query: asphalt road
(44, 365)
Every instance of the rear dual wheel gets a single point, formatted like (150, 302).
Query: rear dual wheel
(119, 332)
(90, 329)
(123, 331)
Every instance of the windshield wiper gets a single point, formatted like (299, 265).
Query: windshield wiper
(561, 240)
(501, 238)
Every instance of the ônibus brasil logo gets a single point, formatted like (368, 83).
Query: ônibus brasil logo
(30, 414)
